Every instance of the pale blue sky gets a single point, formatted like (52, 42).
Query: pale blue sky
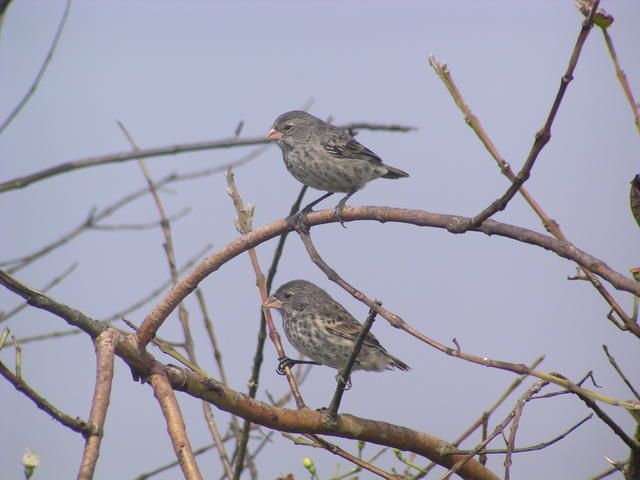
(178, 72)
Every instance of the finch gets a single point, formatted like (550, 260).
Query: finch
(326, 157)
(322, 329)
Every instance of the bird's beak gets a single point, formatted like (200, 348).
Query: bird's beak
(273, 134)
(272, 302)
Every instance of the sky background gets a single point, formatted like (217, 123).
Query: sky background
(179, 72)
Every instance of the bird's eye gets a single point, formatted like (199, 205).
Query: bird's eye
(287, 295)
(288, 128)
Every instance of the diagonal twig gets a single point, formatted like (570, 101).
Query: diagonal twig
(183, 315)
(74, 423)
(244, 226)
(5, 316)
(41, 71)
(343, 376)
(613, 363)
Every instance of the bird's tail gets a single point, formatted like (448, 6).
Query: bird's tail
(399, 364)
(393, 172)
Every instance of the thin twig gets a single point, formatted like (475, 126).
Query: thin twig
(632, 443)
(262, 330)
(397, 322)
(105, 352)
(74, 423)
(155, 471)
(336, 450)
(499, 429)
(41, 71)
(484, 417)
(215, 433)
(531, 448)
(217, 353)
(118, 315)
(244, 226)
(345, 374)
(605, 473)
(5, 316)
(182, 313)
(613, 363)
(604, 21)
(143, 226)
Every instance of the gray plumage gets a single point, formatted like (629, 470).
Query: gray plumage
(322, 329)
(325, 157)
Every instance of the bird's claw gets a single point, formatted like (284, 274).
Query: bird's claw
(298, 221)
(337, 214)
(283, 363)
(346, 382)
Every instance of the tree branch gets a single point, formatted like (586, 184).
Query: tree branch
(21, 182)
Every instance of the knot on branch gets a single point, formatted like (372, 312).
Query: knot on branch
(458, 225)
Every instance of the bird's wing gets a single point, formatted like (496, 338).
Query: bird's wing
(344, 325)
(343, 146)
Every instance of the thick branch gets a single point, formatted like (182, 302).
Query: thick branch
(175, 424)
(282, 419)
(105, 348)
(309, 421)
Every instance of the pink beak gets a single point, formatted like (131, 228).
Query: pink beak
(273, 135)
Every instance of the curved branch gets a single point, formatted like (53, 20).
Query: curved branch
(213, 262)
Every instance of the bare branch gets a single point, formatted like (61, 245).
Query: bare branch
(614, 364)
(538, 446)
(244, 223)
(231, 142)
(535, 388)
(4, 317)
(76, 424)
(484, 417)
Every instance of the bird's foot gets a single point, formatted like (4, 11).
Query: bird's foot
(298, 221)
(285, 362)
(337, 213)
(344, 381)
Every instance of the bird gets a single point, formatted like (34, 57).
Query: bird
(324, 331)
(325, 157)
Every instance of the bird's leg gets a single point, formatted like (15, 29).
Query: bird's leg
(344, 381)
(285, 362)
(298, 221)
(337, 212)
